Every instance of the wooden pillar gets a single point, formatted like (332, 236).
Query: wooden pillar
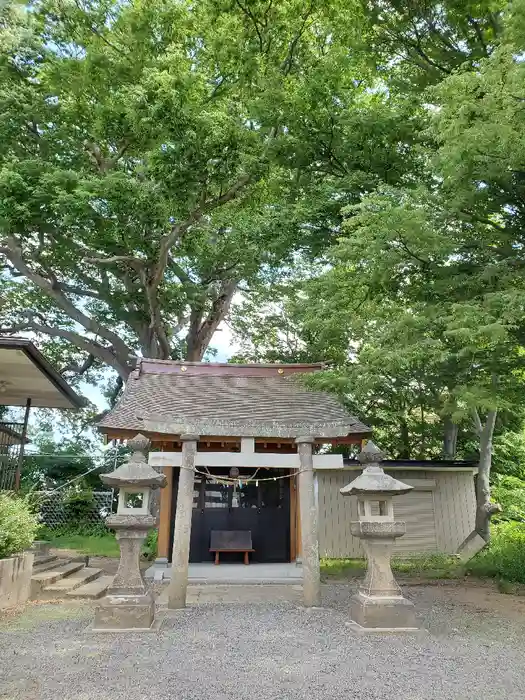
(23, 438)
(298, 537)
(165, 517)
(293, 516)
(309, 534)
(181, 541)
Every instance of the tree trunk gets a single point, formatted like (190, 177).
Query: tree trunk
(450, 438)
(484, 508)
(480, 536)
(195, 351)
(405, 439)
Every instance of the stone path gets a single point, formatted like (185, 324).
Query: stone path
(225, 647)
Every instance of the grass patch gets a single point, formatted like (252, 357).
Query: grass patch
(91, 545)
(342, 568)
(429, 566)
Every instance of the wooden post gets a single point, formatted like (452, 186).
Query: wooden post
(165, 517)
(22, 446)
(298, 537)
(293, 516)
(309, 535)
(181, 541)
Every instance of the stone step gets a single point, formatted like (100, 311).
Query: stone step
(69, 583)
(42, 558)
(49, 562)
(93, 590)
(46, 578)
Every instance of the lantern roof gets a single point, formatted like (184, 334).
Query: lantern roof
(373, 480)
(135, 471)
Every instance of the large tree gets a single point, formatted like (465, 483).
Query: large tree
(420, 306)
(440, 263)
(152, 157)
(158, 156)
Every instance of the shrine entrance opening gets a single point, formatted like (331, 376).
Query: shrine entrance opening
(260, 504)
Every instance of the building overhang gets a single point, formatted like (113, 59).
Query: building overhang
(26, 374)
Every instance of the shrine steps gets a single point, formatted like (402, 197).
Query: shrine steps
(57, 577)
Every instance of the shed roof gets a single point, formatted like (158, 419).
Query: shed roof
(26, 374)
(228, 399)
(419, 464)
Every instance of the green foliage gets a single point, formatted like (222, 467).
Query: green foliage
(150, 546)
(79, 507)
(509, 454)
(509, 492)
(505, 556)
(154, 156)
(419, 305)
(18, 524)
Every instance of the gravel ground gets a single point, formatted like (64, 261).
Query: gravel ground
(270, 650)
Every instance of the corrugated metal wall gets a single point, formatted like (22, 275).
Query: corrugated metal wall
(439, 513)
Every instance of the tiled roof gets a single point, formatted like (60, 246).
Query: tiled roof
(233, 400)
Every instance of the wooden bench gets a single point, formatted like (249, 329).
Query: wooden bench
(231, 541)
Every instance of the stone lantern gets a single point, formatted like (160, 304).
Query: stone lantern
(128, 603)
(379, 605)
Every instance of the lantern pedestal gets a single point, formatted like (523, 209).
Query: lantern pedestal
(379, 605)
(128, 603)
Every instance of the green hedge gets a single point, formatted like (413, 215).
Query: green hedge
(504, 558)
(18, 524)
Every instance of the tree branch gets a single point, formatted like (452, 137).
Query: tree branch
(423, 262)
(134, 262)
(105, 164)
(287, 63)
(200, 333)
(80, 369)
(478, 426)
(14, 254)
(177, 230)
(246, 11)
(90, 346)
(78, 291)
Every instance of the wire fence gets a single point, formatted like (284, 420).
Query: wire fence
(59, 509)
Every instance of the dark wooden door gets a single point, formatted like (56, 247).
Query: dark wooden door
(262, 508)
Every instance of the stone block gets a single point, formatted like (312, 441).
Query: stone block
(119, 613)
(388, 614)
(473, 544)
